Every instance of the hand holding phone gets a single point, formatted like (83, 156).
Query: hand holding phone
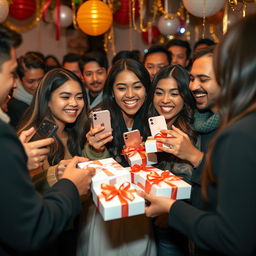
(101, 119)
(156, 124)
(132, 138)
(45, 130)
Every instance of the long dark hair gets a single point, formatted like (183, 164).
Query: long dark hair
(39, 110)
(117, 121)
(185, 119)
(234, 65)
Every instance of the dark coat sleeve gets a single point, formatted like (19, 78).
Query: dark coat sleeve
(27, 219)
(231, 228)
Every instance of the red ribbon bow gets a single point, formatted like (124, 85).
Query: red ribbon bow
(123, 193)
(131, 151)
(137, 168)
(155, 178)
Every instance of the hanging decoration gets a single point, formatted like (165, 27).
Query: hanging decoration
(94, 17)
(168, 26)
(151, 36)
(217, 17)
(121, 16)
(37, 17)
(66, 16)
(22, 9)
(203, 8)
(4, 10)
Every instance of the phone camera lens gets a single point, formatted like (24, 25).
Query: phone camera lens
(95, 118)
(94, 114)
(152, 123)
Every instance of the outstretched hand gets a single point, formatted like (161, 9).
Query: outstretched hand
(156, 206)
(81, 178)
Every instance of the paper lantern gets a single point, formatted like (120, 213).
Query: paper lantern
(168, 26)
(151, 36)
(201, 8)
(122, 15)
(4, 10)
(66, 16)
(94, 17)
(22, 9)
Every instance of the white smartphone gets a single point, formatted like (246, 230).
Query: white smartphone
(101, 118)
(156, 124)
(132, 138)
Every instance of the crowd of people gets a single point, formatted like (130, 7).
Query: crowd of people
(208, 100)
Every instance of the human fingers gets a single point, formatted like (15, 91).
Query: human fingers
(26, 134)
(41, 143)
(175, 129)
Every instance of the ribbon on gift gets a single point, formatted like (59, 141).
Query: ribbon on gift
(104, 168)
(165, 176)
(131, 151)
(137, 168)
(110, 191)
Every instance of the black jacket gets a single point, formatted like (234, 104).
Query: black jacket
(27, 220)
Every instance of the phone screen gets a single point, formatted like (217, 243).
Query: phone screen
(46, 129)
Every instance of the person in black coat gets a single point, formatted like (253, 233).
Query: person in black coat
(29, 221)
(228, 225)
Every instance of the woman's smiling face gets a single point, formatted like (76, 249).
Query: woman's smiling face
(167, 99)
(129, 93)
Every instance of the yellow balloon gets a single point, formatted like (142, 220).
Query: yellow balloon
(94, 17)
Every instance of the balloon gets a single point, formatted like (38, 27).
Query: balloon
(66, 16)
(168, 26)
(4, 10)
(151, 39)
(196, 7)
(22, 9)
(217, 17)
(94, 17)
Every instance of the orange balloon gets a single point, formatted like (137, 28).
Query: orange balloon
(94, 17)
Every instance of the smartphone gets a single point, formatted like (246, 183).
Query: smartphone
(45, 130)
(132, 138)
(101, 118)
(156, 124)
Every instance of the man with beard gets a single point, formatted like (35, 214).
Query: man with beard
(94, 66)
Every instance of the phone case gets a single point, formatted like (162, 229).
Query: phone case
(45, 130)
(132, 138)
(156, 124)
(101, 118)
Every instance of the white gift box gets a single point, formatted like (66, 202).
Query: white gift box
(144, 158)
(107, 171)
(136, 169)
(117, 207)
(163, 183)
(151, 145)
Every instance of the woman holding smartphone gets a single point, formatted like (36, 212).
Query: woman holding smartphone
(170, 97)
(124, 95)
(60, 98)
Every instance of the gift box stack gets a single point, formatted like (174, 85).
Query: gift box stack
(114, 187)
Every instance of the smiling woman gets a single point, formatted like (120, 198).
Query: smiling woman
(60, 98)
(125, 91)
